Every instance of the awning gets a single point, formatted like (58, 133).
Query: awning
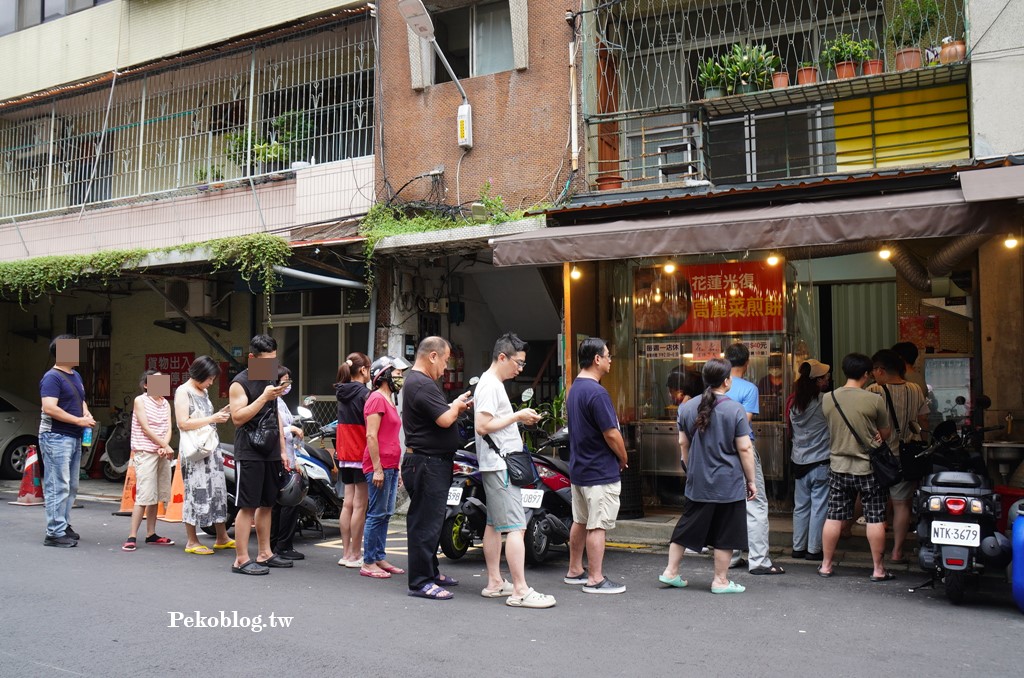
(893, 216)
(997, 183)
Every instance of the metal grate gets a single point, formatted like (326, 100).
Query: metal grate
(644, 103)
(248, 114)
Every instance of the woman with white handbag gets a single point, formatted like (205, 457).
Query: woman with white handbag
(202, 464)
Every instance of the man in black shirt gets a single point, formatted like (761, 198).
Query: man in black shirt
(259, 454)
(431, 440)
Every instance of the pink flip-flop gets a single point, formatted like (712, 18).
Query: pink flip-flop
(374, 575)
(392, 569)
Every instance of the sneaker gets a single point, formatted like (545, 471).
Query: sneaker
(815, 557)
(68, 532)
(798, 553)
(291, 554)
(64, 542)
(576, 580)
(606, 585)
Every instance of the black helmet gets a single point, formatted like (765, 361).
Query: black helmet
(294, 486)
(382, 368)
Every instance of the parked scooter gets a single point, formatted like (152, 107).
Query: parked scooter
(957, 511)
(549, 504)
(117, 449)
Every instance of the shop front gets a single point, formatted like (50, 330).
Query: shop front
(796, 279)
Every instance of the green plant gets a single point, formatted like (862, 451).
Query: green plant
(385, 220)
(216, 174)
(911, 21)
(842, 48)
(235, 147)
(869, 49)
(806, 64)
(711, 73)
(495, 206)
(293, 129)
(269, 151)
(749, 65)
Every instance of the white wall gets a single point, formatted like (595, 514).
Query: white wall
(997, 70)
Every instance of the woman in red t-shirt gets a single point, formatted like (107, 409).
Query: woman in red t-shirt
(381, 457)
(352, 392)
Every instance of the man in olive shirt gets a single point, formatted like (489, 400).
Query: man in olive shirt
(850, 472)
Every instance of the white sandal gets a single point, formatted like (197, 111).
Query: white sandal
(506, 590)
(532, 599)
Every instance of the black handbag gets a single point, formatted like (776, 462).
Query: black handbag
(914, 462)
(521, 471)
(884, 463)
(264, 435)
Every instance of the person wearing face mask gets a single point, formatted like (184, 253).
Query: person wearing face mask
(206, 495)
(380, 463)
(284, 518)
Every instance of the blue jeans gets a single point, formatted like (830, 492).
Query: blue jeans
(810, 503)
(379, 509)
(62, 456)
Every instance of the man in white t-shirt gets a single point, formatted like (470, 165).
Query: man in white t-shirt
(497, 433)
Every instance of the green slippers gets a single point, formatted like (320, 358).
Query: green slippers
(676, 581)
(733, 587)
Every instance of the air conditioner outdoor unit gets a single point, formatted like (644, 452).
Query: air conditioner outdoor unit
(89, 327)
(194, 296)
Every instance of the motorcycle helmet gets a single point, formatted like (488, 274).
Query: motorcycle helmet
(383, 369)
(294, 486)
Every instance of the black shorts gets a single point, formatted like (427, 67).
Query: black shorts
(257, 484)
(351, 476)
(720, 526)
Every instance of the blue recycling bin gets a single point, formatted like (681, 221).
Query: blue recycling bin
(1018, 558)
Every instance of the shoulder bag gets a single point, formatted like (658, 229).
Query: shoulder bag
(521, 471)
(914, 464)
(884, 464)
(263, 433)
(199, 443)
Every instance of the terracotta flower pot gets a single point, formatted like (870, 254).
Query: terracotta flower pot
(806, 75)
(608, 182)
(873, 67)
(846, 70)
(952, 52)
(780, 80)
(908, 58)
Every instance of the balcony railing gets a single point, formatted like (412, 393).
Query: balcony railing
(651, 117)
(250, 113)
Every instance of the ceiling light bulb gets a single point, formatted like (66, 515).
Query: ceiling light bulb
(670, 267)
(773, 260)
(885, 253)
(575, 273)
(1011, 241)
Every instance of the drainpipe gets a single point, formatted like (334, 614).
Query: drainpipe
(321, 279)
(371, 341)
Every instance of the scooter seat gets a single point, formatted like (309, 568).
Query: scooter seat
(945, 480)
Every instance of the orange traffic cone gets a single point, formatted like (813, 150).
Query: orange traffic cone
(128, 493)
(173, 512)
(31, 491)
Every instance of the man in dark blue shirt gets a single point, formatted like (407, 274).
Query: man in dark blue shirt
(65, 416)
(597, 457)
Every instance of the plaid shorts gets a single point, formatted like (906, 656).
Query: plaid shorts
(843, 489)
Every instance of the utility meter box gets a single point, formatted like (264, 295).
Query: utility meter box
(465, 121)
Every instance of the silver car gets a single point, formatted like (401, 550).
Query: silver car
(19, 428)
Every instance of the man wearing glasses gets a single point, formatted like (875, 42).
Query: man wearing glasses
(597, 458)
(497, 433)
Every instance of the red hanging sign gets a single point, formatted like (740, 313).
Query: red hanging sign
(174, 364)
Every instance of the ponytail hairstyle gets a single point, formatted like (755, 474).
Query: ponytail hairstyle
(805, 389)
(352, 365)
(715, 372)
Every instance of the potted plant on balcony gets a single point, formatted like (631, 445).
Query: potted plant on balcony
(271, 157)
(215, 177)
(908, 25)
(748, 68)
(952, 50)
(293, 129)
(780, 79)
(842, 53)
(711, 77)
(871, 65)
(807, 74)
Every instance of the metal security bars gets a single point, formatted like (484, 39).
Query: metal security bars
(733, 91)
(253, 113)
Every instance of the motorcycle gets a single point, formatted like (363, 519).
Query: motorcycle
(117, 448)
(549, 504)
(957, 512)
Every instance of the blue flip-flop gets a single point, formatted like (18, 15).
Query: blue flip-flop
(676, 581)
(432, 592)
(733, 587)
(445, 580)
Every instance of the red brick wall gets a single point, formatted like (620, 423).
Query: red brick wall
(520, 118)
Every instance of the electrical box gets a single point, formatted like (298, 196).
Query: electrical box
(465, 120)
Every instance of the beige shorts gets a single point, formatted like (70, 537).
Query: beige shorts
(152, 478)
(596, 506)
(903, 490)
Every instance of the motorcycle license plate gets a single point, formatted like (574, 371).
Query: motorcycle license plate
(956, 534)
(532, 498)
(454, 496)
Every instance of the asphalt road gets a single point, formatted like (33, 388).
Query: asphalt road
(97, 611)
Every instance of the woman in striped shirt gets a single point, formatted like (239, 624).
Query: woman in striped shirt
(151, 455)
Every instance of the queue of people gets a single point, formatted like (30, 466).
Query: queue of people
(726, 507)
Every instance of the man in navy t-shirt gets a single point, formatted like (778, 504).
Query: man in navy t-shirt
(745, 393)
(597, 457)
(65, 416)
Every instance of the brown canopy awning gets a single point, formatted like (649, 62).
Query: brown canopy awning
(997, 183)
(893, 216)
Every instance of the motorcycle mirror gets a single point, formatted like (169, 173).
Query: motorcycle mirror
(305, 413)
(983, 402)
(309, 400)
(527, 395)
(474, 381)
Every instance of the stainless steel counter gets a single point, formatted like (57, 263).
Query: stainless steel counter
(658, 443)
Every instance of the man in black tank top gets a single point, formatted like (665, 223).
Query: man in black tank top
(253, 408)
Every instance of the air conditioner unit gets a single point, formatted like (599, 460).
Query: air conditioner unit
(89, 327)
(194, 296)
(33, 139)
